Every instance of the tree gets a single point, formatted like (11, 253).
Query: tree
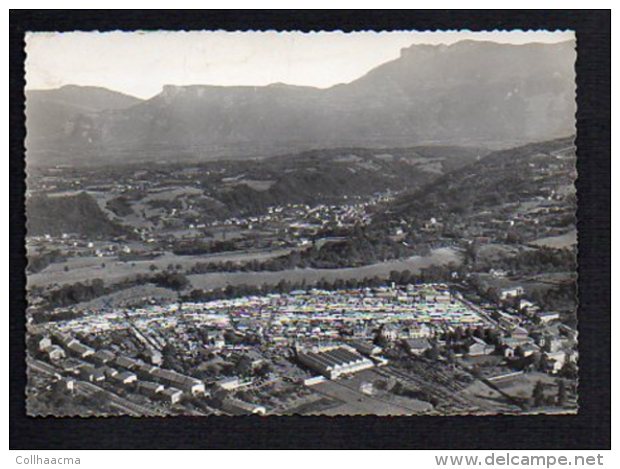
(518, 351)
(395, 276)
(493, 294)
(432, 353)
(264, 369)
(175, 280)
(569, 370)
(170, 357)
(513, 237)
(538, 394)
(561, 398)
(471, 252)
(493, 336)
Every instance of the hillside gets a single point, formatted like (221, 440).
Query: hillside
(328, 176)
(476, 93)
(203, 192)
(55, 115)
(78, 214)
(497, 205)
(526, 191)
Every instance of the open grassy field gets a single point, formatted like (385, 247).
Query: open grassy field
(111, 270)
(529, 283)
(561, 241)
(522, 386)
(495, 251)
(382, 270)
(488, 398)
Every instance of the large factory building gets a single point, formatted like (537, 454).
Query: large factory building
(333, 362)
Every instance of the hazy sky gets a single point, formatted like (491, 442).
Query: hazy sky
(141, 63)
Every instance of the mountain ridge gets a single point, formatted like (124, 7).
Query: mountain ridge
(470, 92)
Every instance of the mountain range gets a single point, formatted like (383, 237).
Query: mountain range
(468, 93)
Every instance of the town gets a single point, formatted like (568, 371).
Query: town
(341, 282)
(389, 350)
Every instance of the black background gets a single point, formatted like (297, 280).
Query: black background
(589, 429)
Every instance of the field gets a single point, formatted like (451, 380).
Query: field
(209, 281)
(111, 270)
(561, 241)
(487, 398)
(354, 402)
(523, 385)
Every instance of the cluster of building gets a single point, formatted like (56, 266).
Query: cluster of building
(285, 319)
(98, 366)
(299, 223)
(325, 334)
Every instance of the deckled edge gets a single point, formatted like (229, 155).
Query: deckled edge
(576, 215)
(95, 415)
